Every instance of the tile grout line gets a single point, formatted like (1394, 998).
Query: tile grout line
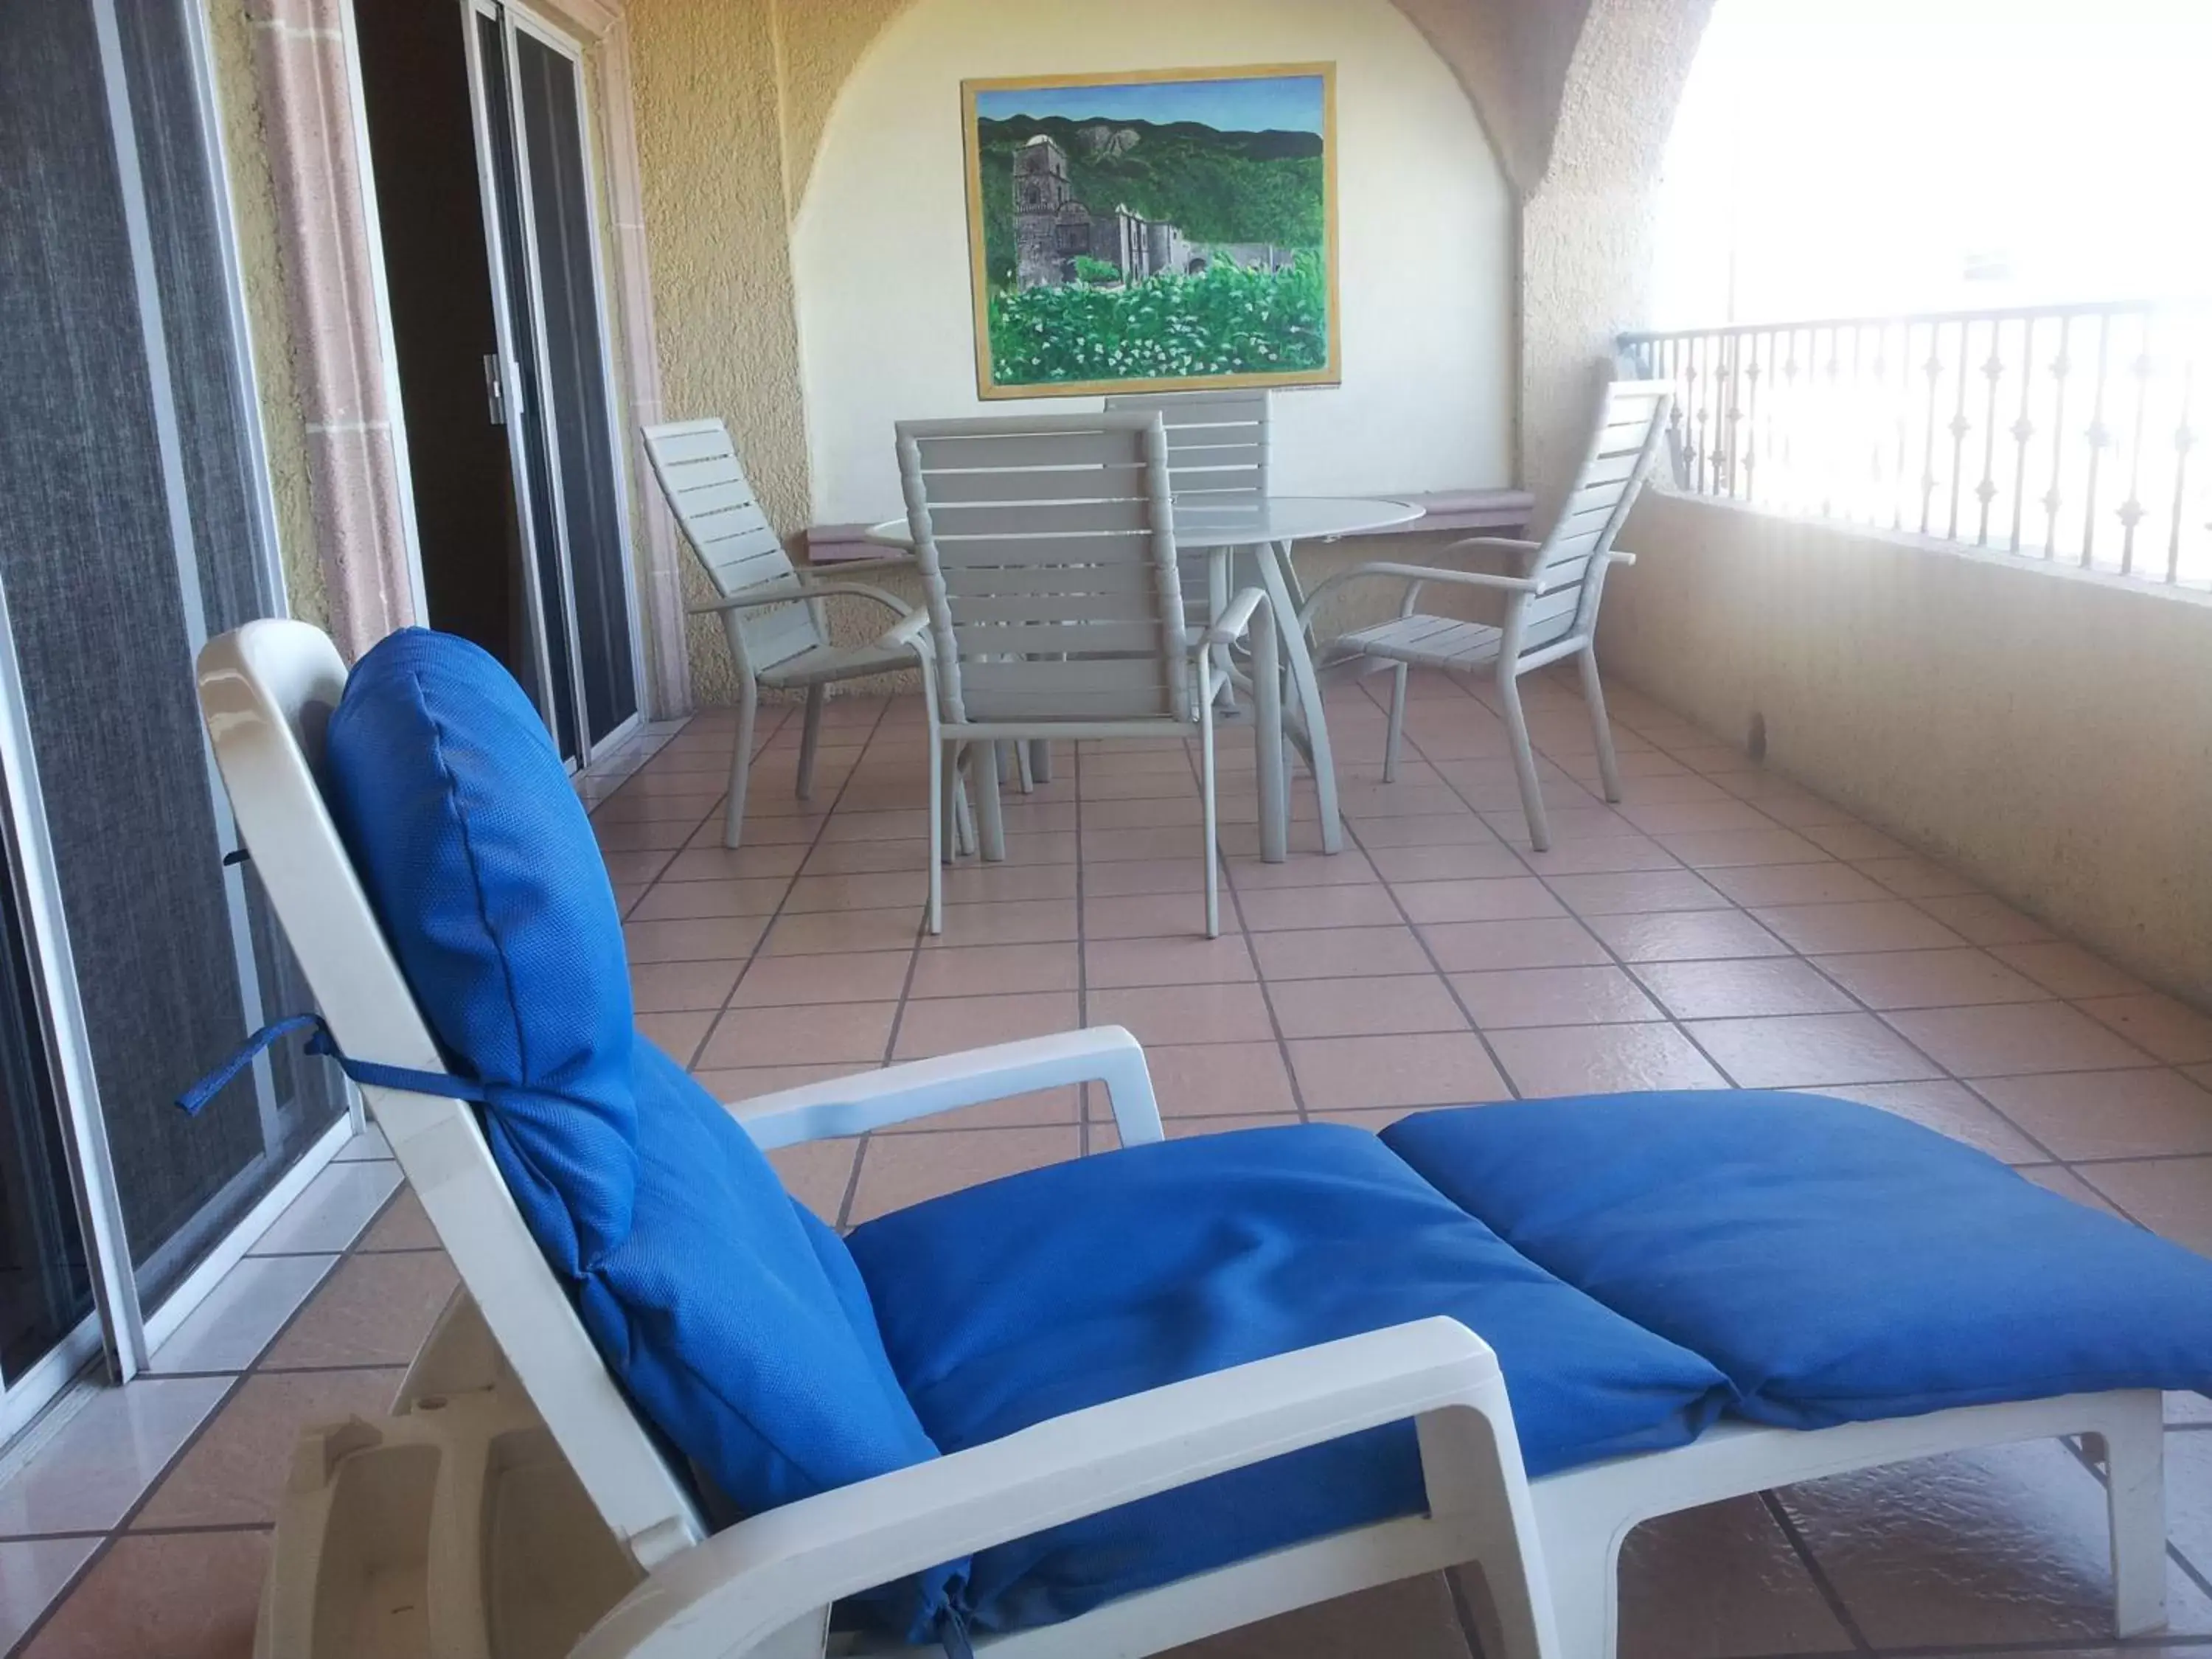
(1803, 1548)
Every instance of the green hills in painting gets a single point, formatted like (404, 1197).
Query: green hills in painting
(1215, 187)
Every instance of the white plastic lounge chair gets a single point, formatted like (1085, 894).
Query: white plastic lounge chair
(1551, 611)
(516, 1487)
(1054, 602)
(771, 609)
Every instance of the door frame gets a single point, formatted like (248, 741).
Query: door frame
(514, 19)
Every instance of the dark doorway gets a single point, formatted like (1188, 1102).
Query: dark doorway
(423, 145)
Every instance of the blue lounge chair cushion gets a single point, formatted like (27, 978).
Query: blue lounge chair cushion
(735, 1319)
(1838, 1262)
(1007, 1303)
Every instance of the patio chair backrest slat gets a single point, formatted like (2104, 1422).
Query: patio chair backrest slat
(714, 506)
(1571, 565)
(1220, 445)
(1048, 566)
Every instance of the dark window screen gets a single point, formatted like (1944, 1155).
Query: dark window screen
(89, 558)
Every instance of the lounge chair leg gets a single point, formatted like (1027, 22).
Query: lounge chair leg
(810, 739)
(1397, 725)
(1608, 768)
(741, 763)
(1524, 758)
(1585, 1587)
(2134, 1493)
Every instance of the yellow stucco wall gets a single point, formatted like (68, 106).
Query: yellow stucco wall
(2048, 732)
(253, 202)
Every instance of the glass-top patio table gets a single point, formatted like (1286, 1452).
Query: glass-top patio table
(1268, 534)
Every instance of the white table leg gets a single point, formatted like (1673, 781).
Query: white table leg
(1305, 687)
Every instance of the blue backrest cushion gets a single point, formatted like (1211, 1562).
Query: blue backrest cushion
(734, 1318)
(1840, 1263)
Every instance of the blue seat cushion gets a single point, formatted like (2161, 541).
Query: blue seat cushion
(1838, 1262)
(735, 1319)
(1016, 1301)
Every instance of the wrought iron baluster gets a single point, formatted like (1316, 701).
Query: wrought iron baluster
(2023, 429)
(2062, 366)
(1934, 370)
(2184, 441)
(1960, 426)
(2131, 510)
(1751, 449)
(1987, 490)
(2099, 435)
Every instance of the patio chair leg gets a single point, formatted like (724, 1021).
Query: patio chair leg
(990, 817)
(1397, 724)
(1205, 790)
(959, 827)
(1023, 769)
(810, 739)
(2134, 1493)
(1524, 758)
(741, 763)
(1041, 759)
(935, 919)
(1608, 768)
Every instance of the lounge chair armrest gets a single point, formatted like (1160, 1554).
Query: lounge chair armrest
(1233, 621)
(727, 1594)
(922, 1088)
(1616, 556)
(788, 592)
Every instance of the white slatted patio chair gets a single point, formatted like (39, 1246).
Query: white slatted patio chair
(772, 610)
(1054, 601)
(1553, 604)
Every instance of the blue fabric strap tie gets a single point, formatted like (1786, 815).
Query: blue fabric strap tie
(194, 1100)
(952, 1634)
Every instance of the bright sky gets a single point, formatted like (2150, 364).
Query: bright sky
(1290, 103)
(1848, 157)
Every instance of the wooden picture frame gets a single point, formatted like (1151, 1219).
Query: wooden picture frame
(1158, 285)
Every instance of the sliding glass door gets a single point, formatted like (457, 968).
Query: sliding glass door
(535, 167)
(134, 523)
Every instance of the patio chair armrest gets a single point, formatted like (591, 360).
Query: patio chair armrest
(922, 1088)
(723, 1597)
(789, 593)
(1415, 573)
(908, 630)
(843, 566)
(1234, 622)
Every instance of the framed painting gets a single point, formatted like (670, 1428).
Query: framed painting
(1163, 231)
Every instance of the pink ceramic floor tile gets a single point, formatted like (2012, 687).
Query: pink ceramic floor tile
(2066, 969)
(1721, 1580)
(1272, 910)
(1340, 952)
(1600, 855)
(1825, 882)
(1686, 936)
(945, 1024)
(852, 1032)
(899, 1170)
(2172, 1196)
(678, 901)
(833, 932)
(883, 890)
(1883, 924)
(234, 1473)
(1636, 892)
(967, 970)
(1743, 989)
(1929, 979)
(2173, 1032)
(1511, 898)
(2105, 1114)
(1348, 1073)
(1914, 878)
(1453, 861)
(1722, 849)
(1553, 996)
(1544, 942)
(1141, 915)
(2013, 1039)
(176, 1595)
(1192, 959)
(1012, 922)
(717, 938)
(1207, 1079)
(1602, 1060)
(1801, 1050)
(1985, 920)
(1184, 1013)
(805, 982)
(1412, 1618)
(1365, 1007)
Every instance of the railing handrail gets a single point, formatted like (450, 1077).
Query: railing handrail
(1997, 314)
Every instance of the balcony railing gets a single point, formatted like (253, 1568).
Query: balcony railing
(2060, 433)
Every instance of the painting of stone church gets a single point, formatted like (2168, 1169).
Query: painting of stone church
(1165, 231)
